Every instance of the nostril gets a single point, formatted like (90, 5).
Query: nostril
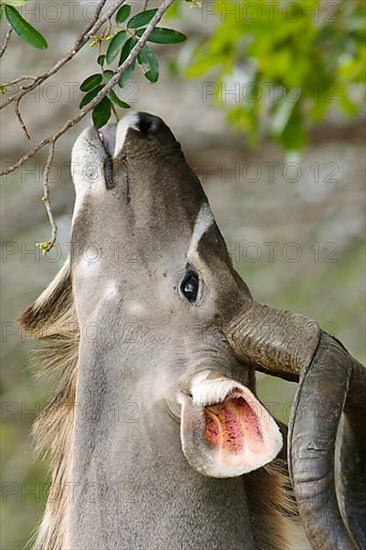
(150, 124)
(145, 123)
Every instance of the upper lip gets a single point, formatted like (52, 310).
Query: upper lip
(107, 136)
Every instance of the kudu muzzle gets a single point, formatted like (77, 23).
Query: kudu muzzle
(225, 431)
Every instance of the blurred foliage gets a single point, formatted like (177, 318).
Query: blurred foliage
(286, 62)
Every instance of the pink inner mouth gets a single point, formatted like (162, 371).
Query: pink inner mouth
(228, 424)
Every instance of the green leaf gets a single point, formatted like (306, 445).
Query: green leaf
(1, 12)
(101, 60)
(160, 35)
(91, 82)
(107, 75)
(15, 3)
(25, 31)
(126, 75)
(281, 116)
(348, 106)
(293, 136)
(141, 19)
(114, 46)
(126, 50)
(89, 96)
(123, 13)
(102, 113)
(115, 99)
(148, 63)
(173, 11)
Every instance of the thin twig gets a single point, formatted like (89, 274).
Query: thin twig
(21, 121)
(103, 92)
(46, 198)
(145, 5)
(89, 31)
(6, 41)
(19, 79)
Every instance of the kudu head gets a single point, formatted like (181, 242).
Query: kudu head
(166, 323)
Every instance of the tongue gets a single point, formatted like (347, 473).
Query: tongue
(228, 438)
(108, 137)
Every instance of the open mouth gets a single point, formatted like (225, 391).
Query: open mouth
(225, 431)
(107, 136)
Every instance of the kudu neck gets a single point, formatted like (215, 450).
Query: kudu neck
(133, 483)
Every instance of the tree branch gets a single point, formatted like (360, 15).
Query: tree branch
(18, 79)
(21, 121)
(46, 247)
(6, 41)
(89, 31)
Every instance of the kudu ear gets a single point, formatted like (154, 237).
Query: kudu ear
(225, 431)
(48, 316)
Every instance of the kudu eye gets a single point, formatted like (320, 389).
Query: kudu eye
(190, 285)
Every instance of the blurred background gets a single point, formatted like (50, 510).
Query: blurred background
(267, 100)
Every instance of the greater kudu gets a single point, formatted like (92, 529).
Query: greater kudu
(148, 312)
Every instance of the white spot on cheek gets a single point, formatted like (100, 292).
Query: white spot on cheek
(136, 308)
(111, 291)
(89, 265)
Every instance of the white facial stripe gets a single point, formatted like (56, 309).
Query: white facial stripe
(204, 221)
(129, 121)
